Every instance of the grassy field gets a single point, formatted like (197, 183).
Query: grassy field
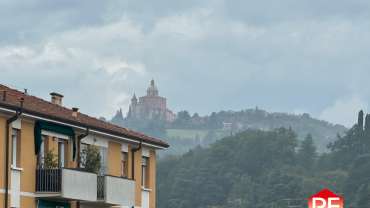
(182, 140)
(193, 133)
(186, 133)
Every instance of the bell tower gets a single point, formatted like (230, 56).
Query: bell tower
(152, 89)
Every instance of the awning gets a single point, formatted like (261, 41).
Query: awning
(57, 128)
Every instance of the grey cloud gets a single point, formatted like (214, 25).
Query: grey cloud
(205, 55)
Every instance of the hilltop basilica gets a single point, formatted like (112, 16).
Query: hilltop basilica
(150, 106)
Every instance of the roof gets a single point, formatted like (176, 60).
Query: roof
(42, 108)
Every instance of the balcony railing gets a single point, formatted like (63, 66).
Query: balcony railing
(68, 184)
(48, 180)
(101, 188)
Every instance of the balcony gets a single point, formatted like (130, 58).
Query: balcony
(116, 191)
(66, 184)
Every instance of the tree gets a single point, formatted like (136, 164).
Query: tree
(362, 196)
(307, 152)
(367, 127)
(353, 144)
(183, 115)
(213, 121)
(183, 119)
(91, 158)
(50, 160)
(233, 172)
(259, 169)
(196, 116)
(118, 118)
(360, 121)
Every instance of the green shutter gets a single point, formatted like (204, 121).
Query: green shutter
(57, 128)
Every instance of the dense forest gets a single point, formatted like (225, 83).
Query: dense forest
(264, 169)
(188, 131)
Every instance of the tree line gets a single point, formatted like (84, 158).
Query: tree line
(271, 168)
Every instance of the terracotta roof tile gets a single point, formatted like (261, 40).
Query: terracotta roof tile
(38, 106)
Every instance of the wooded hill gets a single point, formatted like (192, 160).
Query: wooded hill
(263, 169)
(189, 131)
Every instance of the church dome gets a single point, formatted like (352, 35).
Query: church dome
(152, 89)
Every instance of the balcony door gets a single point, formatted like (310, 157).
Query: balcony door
(41, 155)
(55, 147)
(61, 153)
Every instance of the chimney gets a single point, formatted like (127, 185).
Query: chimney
(75, 112)
(56, 98)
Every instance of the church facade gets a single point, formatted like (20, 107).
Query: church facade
(151, 106)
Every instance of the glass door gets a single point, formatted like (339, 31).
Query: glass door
(61, 153)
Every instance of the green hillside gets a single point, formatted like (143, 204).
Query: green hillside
(189, 131)
(263, 169)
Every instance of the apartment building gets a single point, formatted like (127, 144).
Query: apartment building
(42, 145)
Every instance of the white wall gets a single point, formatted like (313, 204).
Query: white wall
(94, 139)
(79, 185)
(145, 152)
(120, 191)
(144, 199)
(17, 124)
(15, 188)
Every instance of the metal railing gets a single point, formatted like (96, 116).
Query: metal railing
(48, 180)
(101, 188)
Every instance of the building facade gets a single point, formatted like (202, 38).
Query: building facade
(150, 106)
(44, 166)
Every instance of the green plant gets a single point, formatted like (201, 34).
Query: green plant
(90, 158)
(50, 160)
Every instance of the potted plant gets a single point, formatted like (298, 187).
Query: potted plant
(90, 159)
(50, 160)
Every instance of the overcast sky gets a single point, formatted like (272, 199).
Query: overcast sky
(288, 55)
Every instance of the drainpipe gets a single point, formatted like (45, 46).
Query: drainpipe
(18, 113)
(133, 159)
(79, 139)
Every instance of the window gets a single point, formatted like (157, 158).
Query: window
(124, 164)
(61, 153)
(144, 171)
(41, 155)
(83, 148)
(15, 147)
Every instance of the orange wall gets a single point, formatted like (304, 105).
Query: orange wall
(114, 159)
(28, 157)
(137, 167)
(152, 179)
(1, 200)
(69, 155)
(51, 144)
(28, 202)
(129, 161)
(2, 151)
